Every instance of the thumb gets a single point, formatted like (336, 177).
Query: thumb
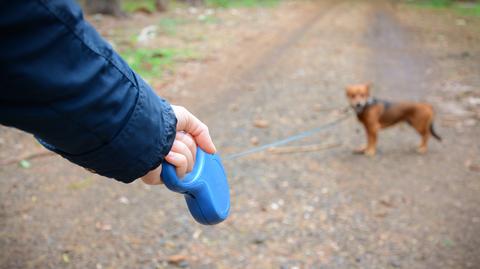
(188, 123)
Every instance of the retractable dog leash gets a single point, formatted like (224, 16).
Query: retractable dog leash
(206, 189)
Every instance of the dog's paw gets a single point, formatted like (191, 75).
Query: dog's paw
(370, 152)
(359, 151)
(422, 150)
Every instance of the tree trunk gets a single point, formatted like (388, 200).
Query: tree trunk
(194, 2)
(108, 7)
(161, 5)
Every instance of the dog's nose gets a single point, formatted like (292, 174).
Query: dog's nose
(358, 105)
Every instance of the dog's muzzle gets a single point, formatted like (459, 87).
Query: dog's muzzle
(358, 108)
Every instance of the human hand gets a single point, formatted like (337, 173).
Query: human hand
(190, 133)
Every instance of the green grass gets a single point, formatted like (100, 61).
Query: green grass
(134, 5)
(434, 3)
(152, 63)
(241, 3)
(471, 9)
(169, 25)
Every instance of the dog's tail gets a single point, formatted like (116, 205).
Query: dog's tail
(434, 134)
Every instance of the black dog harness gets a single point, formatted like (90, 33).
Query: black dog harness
(374, 101)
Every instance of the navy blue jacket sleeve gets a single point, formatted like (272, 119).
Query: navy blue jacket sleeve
(60, 81)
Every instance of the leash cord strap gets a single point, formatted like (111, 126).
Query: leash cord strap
(287, 140)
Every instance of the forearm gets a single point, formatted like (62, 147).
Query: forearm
(63, 83)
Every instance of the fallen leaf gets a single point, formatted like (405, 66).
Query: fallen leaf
(386, 202)
(103, 226)
(260, 123)
(474, 167)
(380, 214)
(65, 258)
(176, 259)
(25, 164)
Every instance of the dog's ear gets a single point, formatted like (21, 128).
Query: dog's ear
(369, 86)
(347, 89)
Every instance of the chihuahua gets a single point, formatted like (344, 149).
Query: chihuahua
(377, 114)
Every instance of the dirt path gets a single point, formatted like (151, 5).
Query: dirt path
(324, 209)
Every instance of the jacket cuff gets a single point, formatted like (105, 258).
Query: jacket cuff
(139, 147)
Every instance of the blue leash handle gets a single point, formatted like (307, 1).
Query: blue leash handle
(205, 189)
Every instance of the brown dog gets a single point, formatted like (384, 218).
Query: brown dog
(376, 115)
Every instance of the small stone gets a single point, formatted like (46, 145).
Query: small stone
(470, 122)
(465, 54)
(233, 107)
(474, 167)
(197, 234)
(474, 101)
(193, 10)
(183, 264)
(254, 140)
(259, 239)
(395, 263)
(103, 226)
(461, 22)
(124, 200)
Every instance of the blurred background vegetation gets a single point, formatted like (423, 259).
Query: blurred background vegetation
(151, 59)
(154, 62)
(120, 8)
(464, 7)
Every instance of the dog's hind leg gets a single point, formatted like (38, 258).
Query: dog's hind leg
(422, 125)
(424, 143)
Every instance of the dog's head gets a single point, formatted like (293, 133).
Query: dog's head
(358, 96)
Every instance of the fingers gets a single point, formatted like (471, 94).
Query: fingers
(182, 156)
(189, 142)
(188, 123)
(179, 161)
(180, 148)
(190, 133)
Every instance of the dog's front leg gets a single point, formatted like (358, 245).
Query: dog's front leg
(372, 133)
